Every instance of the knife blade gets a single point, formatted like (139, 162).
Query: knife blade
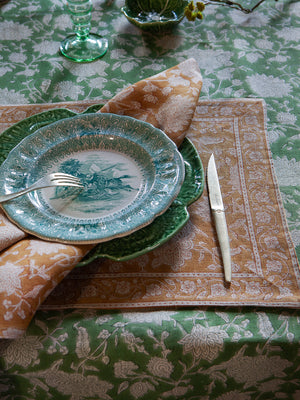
(217, 207)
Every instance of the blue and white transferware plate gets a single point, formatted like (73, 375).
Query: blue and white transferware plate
(131, 173)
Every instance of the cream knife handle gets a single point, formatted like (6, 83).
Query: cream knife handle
(222, 232)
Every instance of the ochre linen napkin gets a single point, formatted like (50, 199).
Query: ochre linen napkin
(167, 100)
(30, 268)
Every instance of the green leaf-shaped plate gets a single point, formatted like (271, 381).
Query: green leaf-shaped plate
(148, 238)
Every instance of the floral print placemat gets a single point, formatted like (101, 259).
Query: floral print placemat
(188, 269)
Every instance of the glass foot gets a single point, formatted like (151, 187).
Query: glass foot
(82, 50)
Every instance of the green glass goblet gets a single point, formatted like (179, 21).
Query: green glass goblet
(82, 46)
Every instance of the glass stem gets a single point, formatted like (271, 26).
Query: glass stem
(82, 46)
(81, 15)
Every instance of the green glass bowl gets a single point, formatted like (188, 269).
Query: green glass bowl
(153, 15)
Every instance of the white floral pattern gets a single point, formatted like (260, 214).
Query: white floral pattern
(202, 342)
(9, 233)
(239, 56)
(119, 364)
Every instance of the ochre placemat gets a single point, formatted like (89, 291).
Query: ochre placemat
(188, 270)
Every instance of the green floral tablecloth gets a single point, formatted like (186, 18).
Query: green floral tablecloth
(190, 354)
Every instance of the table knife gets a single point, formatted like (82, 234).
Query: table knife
(217, 207)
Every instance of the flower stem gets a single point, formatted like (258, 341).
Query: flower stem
(235, 5)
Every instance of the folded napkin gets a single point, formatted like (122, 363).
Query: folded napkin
(31, 268)
(167, 100)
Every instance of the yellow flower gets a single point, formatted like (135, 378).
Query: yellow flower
(200, 6)
(191, 12)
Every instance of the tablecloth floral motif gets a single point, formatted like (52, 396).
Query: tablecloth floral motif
(239, 56)
(134, 365)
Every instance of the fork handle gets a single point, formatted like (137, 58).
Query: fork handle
(11, 196)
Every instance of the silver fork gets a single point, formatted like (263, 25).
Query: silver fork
(54, 179)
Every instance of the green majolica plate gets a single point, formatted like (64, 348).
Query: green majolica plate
(147, 238)
(154, 15)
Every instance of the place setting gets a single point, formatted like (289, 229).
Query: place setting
(135, 182)
(148, 199)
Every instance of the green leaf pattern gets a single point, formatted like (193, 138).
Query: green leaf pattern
(205, 354)
(131, 355)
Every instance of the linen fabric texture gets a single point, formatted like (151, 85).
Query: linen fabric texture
(31, 268)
